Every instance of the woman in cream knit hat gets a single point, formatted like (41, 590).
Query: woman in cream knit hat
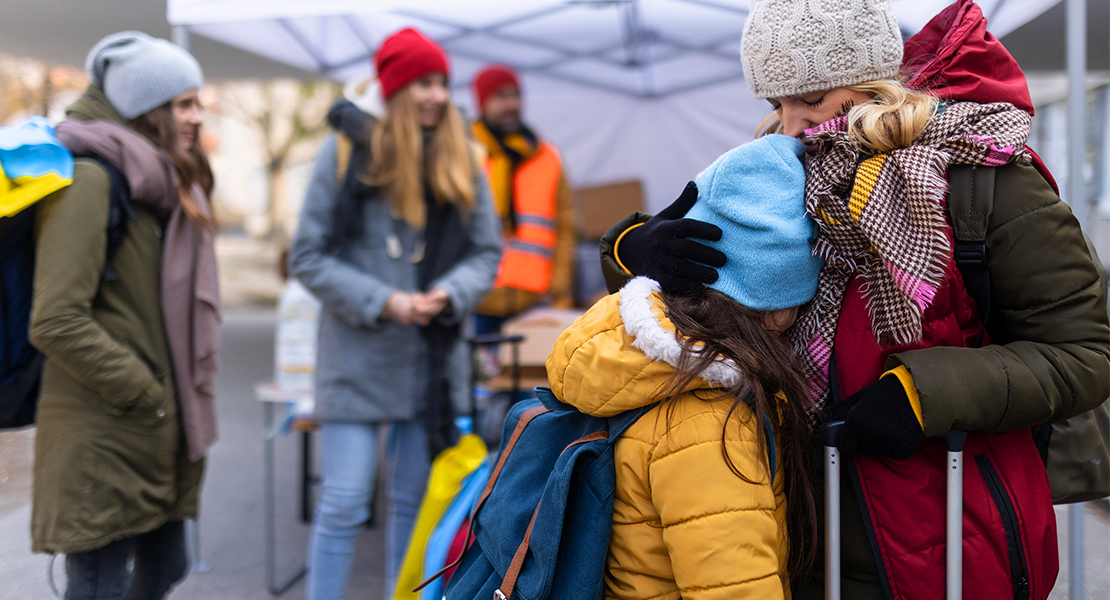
(893, 343)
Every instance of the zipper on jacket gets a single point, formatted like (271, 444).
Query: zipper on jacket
(1018, 572)
(869, 525)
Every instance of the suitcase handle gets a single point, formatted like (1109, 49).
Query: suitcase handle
(832, 511)
(953, 439)
(954, 514)
(954, 442)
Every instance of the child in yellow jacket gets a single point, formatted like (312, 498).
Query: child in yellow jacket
(713, 493)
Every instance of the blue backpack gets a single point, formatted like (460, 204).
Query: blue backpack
(541, 526)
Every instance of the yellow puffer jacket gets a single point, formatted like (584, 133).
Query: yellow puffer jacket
(684, 525)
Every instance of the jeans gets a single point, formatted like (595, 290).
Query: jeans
(348, 453)
(102, 574)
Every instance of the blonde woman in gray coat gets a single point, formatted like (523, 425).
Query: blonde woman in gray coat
(399, 246)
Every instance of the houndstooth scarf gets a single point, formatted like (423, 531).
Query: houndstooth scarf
(882, 217)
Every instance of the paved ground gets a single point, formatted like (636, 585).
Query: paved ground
(231, 525)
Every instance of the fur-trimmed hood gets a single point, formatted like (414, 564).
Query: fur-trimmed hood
(681, 516)
(619, 355)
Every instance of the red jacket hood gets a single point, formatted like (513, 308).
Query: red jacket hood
(956, 58)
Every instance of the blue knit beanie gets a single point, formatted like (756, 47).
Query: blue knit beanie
(139, 73)
(756, 194)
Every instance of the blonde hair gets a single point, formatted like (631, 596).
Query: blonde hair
(402, 165)
(892, 119)
(770, 124)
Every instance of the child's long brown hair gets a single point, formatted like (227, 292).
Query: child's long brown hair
(401, 164)
(713, 325)
(192, 166)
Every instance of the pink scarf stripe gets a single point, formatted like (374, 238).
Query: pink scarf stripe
(897, 240)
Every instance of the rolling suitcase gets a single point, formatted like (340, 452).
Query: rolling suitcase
(953, 514)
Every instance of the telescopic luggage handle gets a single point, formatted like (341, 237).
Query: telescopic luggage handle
(953, 552)
(954, 515)
(493, 339)
(832, 511)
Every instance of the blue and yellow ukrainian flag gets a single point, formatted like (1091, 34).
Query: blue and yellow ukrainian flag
(33, 164)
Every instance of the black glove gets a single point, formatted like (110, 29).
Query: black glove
(878, 420)
(660, 248)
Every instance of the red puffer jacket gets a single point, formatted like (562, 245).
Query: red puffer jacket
(1009, 541)
(1009, 526)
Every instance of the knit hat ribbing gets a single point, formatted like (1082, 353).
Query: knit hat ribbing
(139, 73)
(405, 57)
(792, 47)
(492, 79)
(756, 194)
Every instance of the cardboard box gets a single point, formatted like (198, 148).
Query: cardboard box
(599, 207)
(540, 328)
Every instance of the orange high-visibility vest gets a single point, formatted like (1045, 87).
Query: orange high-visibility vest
(526, 261)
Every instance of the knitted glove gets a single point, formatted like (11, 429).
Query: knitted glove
(661, 248)
(878, 420)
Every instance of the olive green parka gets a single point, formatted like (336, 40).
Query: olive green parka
(110, 457)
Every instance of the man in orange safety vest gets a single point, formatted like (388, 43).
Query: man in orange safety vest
(533, 198)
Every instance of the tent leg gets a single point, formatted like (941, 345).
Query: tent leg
(1076, 34)
(1076, 555)
(182, 37)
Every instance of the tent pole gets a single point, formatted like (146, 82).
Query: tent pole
(182, 37)
(1076, 34)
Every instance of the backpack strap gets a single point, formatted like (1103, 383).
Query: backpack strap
(970, 204)
(508, 583)
(347, 213)
(521, 424)
(119, 213)
(618, 424)
(344, 145)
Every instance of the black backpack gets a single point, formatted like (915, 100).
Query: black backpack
(1075, 451)
(20, 363)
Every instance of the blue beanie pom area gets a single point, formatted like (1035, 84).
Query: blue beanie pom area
(756, 194)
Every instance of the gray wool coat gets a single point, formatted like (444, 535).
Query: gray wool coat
(371, 368)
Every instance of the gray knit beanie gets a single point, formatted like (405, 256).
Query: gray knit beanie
(792, 47)
(139, 73)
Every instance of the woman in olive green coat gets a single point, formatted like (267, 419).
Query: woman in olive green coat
(126, 411)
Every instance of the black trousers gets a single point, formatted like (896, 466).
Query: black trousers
(159, 562)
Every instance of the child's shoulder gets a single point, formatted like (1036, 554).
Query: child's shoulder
(695, 418)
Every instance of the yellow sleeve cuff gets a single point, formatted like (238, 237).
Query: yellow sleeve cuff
(617, 245)
(904, 377)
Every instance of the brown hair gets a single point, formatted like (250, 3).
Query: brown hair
(401, 165)
(192, 166)
(714, 326)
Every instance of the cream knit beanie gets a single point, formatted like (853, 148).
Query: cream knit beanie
(792, 47)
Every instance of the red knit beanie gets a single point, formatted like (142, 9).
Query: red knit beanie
(406, 56)
(492, 79)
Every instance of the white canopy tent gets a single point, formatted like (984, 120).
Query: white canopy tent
(627, 89)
